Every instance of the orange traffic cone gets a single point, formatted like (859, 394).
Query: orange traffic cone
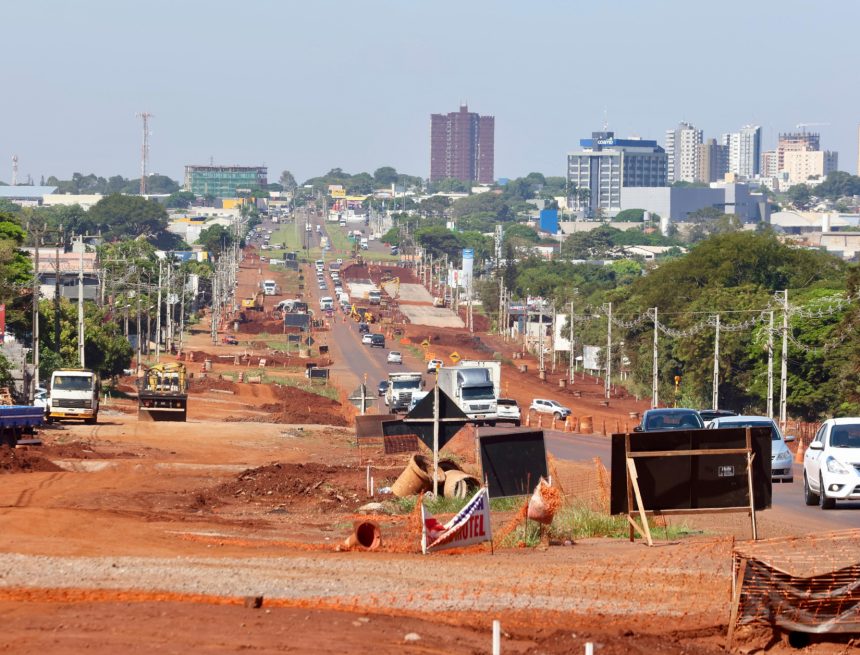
(798, 456)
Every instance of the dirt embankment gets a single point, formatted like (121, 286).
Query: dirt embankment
(20, 460)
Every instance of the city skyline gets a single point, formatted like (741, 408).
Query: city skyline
(309, 100)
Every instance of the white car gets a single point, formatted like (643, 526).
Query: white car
(507, 409)
(395, 357)
(366, 338)
(781, 458)
(433, 364)
(546, 406)
(831, 464)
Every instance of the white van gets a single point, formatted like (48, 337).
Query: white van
(326, 302)
(320, 265)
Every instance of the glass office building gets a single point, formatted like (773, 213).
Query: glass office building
(224, 181)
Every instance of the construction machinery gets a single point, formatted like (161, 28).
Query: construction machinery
(254, 303)
(163, 393)
(362, 315)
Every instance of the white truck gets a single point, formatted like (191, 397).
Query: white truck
(474, 385)
(74, 394)
(401, 386)
(270, 287)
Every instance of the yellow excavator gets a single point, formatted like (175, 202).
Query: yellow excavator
(162, 393)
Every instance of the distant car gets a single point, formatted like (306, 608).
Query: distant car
(394, 250)
(339, 260)
(377, 341)
(433, 364)
(366, 338)
(654, 420)
(547, 406)
(382, 387)
(395, 357)
(711, 414)
(508, 410)
(831, 465)
(230, 340)
(323, 286)
(363, 328)
(781, 458)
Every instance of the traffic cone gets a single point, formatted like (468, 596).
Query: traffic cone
(529, 419)
(798, 456)
(553, 422)
(540, 420)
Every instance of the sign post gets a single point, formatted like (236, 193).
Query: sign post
(360, 399)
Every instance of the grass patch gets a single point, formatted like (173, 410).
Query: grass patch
(577, 521)
(318, 388)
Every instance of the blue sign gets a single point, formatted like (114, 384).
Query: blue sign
(468, 253)
(549, 221)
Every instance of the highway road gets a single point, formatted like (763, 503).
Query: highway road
(354, 361)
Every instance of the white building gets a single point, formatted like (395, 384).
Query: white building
(744, 151)
(682, 153)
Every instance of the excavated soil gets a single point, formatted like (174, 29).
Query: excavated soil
(23, 460)
(310, 486)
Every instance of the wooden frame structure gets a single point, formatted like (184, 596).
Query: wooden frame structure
(634, 494)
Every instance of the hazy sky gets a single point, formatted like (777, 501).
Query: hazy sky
(313, 85)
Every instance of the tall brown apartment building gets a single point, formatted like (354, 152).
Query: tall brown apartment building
(462, 146)
(712, 161)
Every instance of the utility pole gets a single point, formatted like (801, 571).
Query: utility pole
(57, 292)
(81, 335)
(572, 362)
(36, 292)
(137, 293)
(783, 391)
(608, 382)
(715, 393)
(552, 335)
(158, 318)
(541, 329)
(168, 306)
(770, 368)
(655, 376)
(182, 310)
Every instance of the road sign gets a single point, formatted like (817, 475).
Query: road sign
(425, 343)
(428, 356)
(361, 399)
(309, 341)
(455, 357)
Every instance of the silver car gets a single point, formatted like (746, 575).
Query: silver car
(781, 458)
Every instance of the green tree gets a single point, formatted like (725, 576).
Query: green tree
(595, 244)
(440, 241)
(521, 233)
(106, 350)
(629, 216)
(119, 216)
(385, 176)
(838, 184)
(288, 181)
(800, 196)
(179, 200)
(216, 238)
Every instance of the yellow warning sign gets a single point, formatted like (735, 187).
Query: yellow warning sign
(428, 356)
(425, 343)
(455, 357)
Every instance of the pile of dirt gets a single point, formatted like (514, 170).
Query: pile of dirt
(297, 406)
(296, 486)
(264, 325)
(202, 385)
(73, 450)
(21, 460)
(246, 359)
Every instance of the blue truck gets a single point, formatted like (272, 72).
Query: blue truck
(15, 419)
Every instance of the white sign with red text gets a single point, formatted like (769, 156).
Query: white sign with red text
(471, 525)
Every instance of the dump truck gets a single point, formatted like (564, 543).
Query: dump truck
(401, 386)
(474, 386)
(163, 393)
(17, 419)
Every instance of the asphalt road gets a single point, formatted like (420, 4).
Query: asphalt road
(787, 497)
(354, 361)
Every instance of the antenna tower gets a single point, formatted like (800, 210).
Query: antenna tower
(14, 170)
(144, 150)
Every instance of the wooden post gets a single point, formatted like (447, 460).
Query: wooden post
(736, 600)
(750, 458)
(634, 481)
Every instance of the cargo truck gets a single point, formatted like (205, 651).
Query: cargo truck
(401, 386)
(474, 386)
(74, 394)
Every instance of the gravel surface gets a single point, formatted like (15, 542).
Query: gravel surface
(413, 583)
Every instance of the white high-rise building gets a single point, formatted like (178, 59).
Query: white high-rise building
(681, 149)
(744, 151)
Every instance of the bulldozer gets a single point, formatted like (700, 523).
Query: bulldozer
(162, 393)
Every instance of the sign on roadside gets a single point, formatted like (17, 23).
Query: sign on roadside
(471, 525)
(455, 357)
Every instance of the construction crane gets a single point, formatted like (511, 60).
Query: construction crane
(803, 126)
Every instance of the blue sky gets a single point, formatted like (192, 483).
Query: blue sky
(314, 85)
